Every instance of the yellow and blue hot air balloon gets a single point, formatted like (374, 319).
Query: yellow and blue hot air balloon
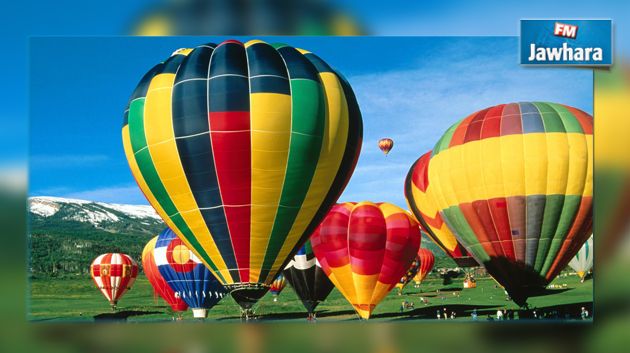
(242, 149)
(514, 183)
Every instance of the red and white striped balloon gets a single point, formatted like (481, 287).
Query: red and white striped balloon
(114, 274)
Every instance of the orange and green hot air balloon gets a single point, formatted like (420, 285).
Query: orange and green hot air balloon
(385, 145)
(513, 183)
(242, 148)
(427, 260)
(422, 203)
(365, 248)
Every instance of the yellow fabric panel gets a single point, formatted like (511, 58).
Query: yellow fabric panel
(333, 146)
(133, 165)
(578, 165)
(364, 286)
(389, 209)
(513, 165)
(588, 186)
(149, 247)
(611, 106)
(163, 149)
(506, 162)
(342, 278)
(270, 139)
(380, 291)
(427, 205)
(536, 163)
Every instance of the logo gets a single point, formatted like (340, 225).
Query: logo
(565, 30)
(566, 42)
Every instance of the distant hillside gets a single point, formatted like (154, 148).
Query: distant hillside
(67, 234)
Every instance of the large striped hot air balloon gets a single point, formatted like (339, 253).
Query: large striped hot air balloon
(242, 149)
(186, 275)
(422, 203)
(582, 262)
(427, 260)
(308, 279)
(114, 274)
(514, 184)
(156, 279)
(365, 248)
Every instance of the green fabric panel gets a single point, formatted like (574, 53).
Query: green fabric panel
(553, 209)
(151, 177)
(308, 114)
(445, 140)
(456, 220)
(136, 125)
(571, 124)
(569, 211)
(551, 118)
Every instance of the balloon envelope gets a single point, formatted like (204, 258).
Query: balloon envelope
(365, 248)
(513, 183)
(582, 262)
(242, 149)
(308, 279)
(427, 260)
(423, 204)
(385, 145)
(158, 282)
(412, 271)
(114, 274)
(278, 285)
(186, 275)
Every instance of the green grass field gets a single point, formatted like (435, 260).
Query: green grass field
(77, 299)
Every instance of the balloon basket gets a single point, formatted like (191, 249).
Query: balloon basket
(200, 313)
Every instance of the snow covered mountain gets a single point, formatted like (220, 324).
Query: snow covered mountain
(46, 211)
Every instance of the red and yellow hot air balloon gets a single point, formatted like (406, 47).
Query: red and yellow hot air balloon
(514, 183)
(422, 203)
(412, 271)
(386, 144)
(242, 148)
(365, 248)
(158, 282)
(427, 260)
(113, 274)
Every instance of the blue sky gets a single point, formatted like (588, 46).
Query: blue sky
(409, 89)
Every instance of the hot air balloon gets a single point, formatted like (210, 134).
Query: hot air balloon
(409, 275)
(158, 282)
(422, 203)
(308, 279)
(365, 248)
(242, 149)
(114, 274)
(514, 184)
(582, 262)
(427, 260)
(277, 286)
(186, 275)
(385, 145)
